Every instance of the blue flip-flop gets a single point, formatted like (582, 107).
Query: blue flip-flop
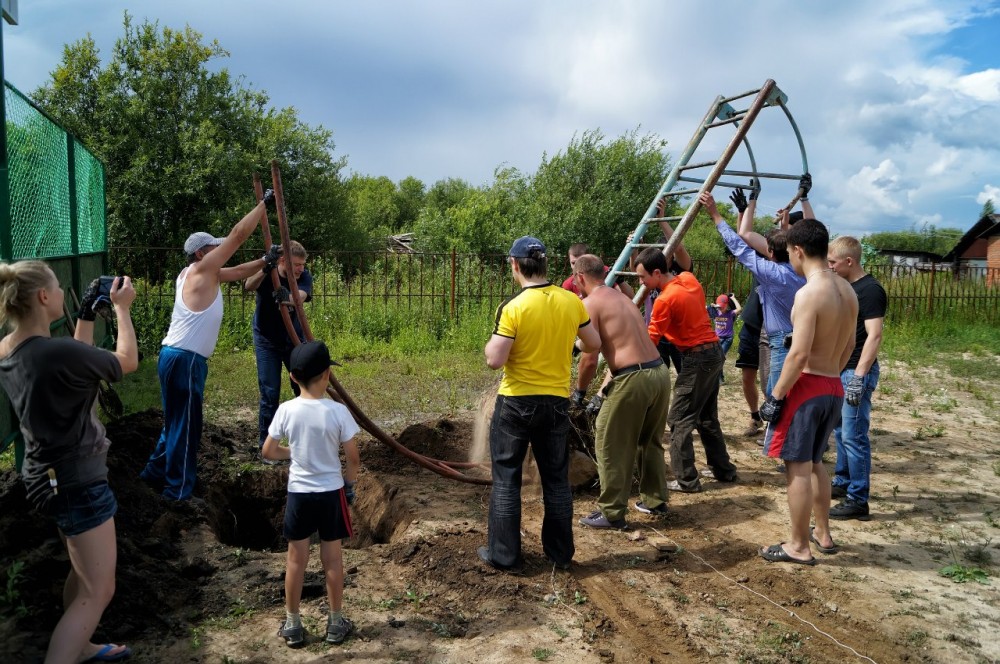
(103, 656)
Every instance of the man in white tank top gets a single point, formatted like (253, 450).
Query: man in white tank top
(190, 340)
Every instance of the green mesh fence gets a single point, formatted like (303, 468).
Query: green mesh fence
(54, 207)
(90, 220)
(47, 171)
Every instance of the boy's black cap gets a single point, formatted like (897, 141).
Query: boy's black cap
(308, 360)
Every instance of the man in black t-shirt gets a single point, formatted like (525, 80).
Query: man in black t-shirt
(851, 480)
(271, 343)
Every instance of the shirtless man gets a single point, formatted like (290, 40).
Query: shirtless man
(630, 425)
(804, 406)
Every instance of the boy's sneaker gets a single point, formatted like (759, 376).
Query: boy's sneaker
(753, 428)
(337, 630)
(293, 636)
(659, 510)
(850, 509)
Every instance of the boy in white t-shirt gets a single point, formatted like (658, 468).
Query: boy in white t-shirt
(318, 493)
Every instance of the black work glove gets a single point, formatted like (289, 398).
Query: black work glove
(805, 184)
(281, 295)
(739, 199)
(595, 404)
(786, 341)
(349, 492)
(87, 303)
(855, 388)
(771, 410)
(268, 197)
(271, 257)
(576, 399)
(576, 350)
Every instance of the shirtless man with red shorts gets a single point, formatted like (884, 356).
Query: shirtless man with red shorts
(805, 404)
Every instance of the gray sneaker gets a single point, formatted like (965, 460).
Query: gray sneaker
(597, 520)
(337, 630)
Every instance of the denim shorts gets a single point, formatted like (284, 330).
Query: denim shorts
(83, 508)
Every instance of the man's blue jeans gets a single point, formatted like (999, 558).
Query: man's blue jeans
(854, 448)
(543, 422)
(776, 342)
(270, 358)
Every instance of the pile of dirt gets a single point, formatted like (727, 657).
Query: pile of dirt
(160, 587)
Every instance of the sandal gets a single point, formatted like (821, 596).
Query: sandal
(293, 636)
(829, 550)
(777, 554)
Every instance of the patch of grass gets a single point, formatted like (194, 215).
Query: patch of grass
(416, 597)
(559, 630)
(778, 639)
(542, 654)
(931, 431)
(579, 598)
(917, 638)
(10, 598)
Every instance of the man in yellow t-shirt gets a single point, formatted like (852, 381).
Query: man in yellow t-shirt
(533, 340)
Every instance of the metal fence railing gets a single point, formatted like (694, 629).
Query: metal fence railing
(446, 284)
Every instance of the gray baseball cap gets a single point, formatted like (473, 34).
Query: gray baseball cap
(200, 240)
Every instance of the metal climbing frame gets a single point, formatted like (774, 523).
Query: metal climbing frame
(449, 469)
(721, 114)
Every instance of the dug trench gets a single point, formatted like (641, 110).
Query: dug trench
(205, 583)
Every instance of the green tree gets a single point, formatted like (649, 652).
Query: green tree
(180, 140)
(988, 209)
(595, 191)
(927, 238)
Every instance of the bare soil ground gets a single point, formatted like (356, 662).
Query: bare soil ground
(205, 585)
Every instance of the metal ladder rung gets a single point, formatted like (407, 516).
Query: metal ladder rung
(649, 244)
(720, 183)
(736, 118)
(667, 219)
(701, 164)
(625, 274)
(682, 192)
(772, 176)
(742, 95)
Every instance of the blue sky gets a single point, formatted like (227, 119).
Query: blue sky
(898, 101)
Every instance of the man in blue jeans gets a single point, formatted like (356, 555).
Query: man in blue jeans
(852, 479)
(271, 343)
(532, 341)
(183, 363)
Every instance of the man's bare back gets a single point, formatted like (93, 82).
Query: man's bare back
(624, 338)
(824, 319)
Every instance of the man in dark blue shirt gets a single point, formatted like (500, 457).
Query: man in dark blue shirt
(272, 345)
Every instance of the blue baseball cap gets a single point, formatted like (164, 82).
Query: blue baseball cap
(524, 247)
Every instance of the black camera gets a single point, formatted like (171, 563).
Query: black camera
(104, 290)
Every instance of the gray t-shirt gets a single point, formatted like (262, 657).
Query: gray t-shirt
(52, 384)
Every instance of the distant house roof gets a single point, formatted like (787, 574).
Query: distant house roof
(986, 227)
(923, 255)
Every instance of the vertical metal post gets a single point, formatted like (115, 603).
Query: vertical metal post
(930, 292)
(6, 235)
(453, 260)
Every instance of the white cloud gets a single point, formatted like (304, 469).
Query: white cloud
(898, 127)
(989, 193)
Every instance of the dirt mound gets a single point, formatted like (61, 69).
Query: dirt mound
(159, 585)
